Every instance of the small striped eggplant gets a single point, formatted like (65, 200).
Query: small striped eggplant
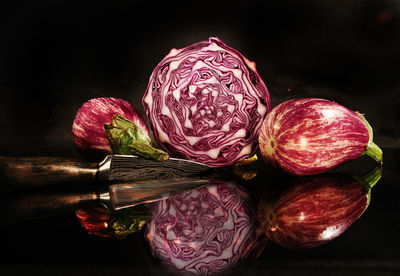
(313, 210)
(109, 125)
(309, 136)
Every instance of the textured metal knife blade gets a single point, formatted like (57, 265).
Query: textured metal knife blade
(126, 195)
(131, 167)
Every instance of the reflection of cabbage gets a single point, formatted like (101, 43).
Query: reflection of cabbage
(206, 102)
(202, 231)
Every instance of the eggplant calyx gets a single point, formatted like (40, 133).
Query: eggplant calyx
(369, 180)
(371, 149)
(125, 224)
(127, 138)
(148, 151)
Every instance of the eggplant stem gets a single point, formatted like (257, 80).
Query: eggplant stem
(374, 151)
(371, 149)
(371, 178)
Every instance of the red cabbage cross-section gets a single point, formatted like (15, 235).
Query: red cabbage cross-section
(203, 231)
(206, 102)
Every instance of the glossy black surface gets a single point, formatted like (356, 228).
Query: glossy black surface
(54, 55)
(58, 243)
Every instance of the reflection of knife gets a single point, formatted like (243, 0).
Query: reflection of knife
(117, 196)
(41, 171)
(127, 195)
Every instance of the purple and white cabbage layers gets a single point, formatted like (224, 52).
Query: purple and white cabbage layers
(202, 231)
(206, 102)
(311, 136)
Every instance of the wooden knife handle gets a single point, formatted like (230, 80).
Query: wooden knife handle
(41, 171)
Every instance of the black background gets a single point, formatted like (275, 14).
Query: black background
(55, 55)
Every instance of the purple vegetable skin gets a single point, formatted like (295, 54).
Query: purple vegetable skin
(206, 102)
(313, 210)
(203, 231)
(88, 127)
(311, 136)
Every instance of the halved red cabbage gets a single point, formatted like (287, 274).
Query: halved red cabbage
(202, 231)
(206, 102)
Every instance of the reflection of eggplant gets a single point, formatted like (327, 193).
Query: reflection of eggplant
(314, 210)
(99, 220)
(203, 231)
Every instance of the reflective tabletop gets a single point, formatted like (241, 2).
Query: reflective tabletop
(252, 220)
(93, 239)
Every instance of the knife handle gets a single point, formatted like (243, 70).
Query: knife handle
(29, 172)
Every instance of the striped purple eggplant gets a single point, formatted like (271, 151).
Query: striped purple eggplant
(88, 128)
(310, 136)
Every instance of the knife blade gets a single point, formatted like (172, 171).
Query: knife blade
(32, 172)
(45, 202)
